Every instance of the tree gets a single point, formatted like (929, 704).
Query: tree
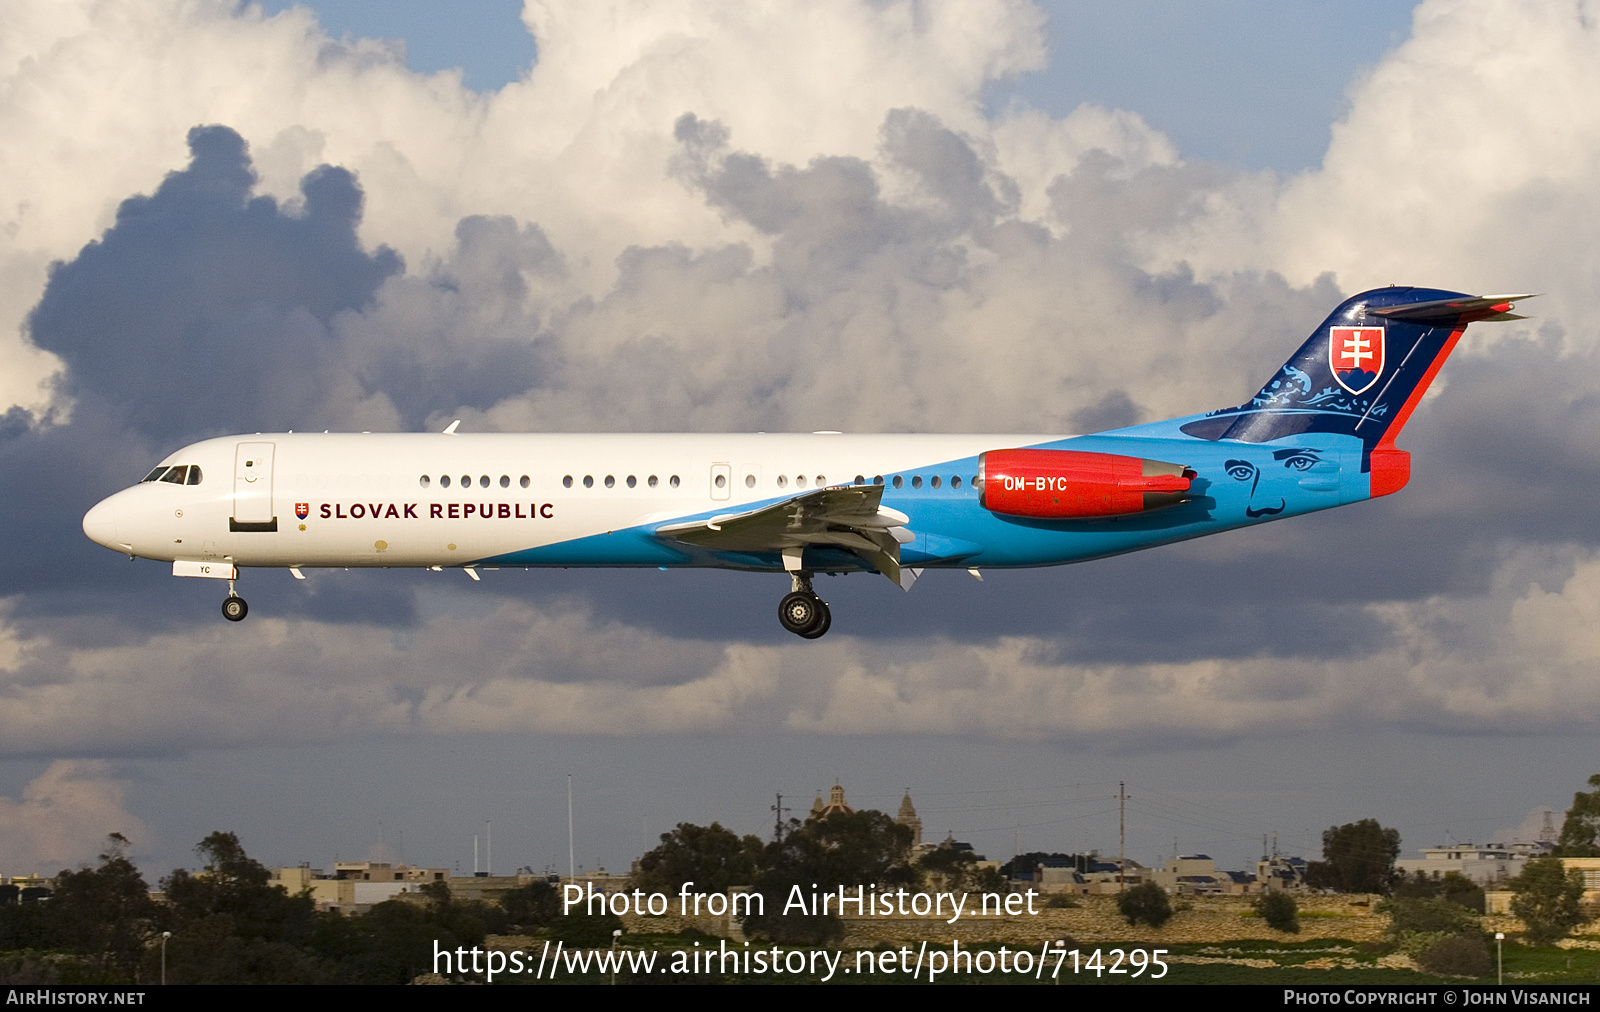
(1454, 886)
(105, 914)
(711, 857)
(1427, 915)
(401, 933)
(534, 905)
(1547, 900)
(1147, 903)
(1457, 956)
(1580, 833)
(958, 871)
(230, 925)
(1028, 863)
(1357, 857)
(583, 930)
(953, 866)
(866, 848)
(1280, 911)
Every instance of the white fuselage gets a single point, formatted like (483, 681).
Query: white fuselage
(435, 499)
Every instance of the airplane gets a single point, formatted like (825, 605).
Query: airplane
(1319, 434)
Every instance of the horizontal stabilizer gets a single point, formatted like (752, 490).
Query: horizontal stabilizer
(1445, 312)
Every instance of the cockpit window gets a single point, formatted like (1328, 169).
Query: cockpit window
(183, 474)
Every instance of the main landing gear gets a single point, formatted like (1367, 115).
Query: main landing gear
(802, 612)
(233, 607)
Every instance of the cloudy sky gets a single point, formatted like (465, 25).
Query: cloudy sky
(670, 216)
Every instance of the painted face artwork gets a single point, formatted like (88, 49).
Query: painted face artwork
(1295, 458)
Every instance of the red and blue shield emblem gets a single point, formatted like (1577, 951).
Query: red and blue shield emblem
(1355, 354)
(302, 509)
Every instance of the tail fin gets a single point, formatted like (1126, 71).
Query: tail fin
(1361, 373)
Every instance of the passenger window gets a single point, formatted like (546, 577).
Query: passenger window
(673, 481)
(899, 481)
(934, 481)
(524, 481)
(749, 481)
(611, 482)
(821, 481)
(652, 482)
(588, 481)
(423, 481)
(177, 474)
(444, 481)
(194, 474)
(859, 480)
(721, 481)
(566, 482)
(466, 481)
(916, 481)
(484, 481)
(505, 481)
(632, 481)
(955, 481)
(799, 481)
(877, 479)
(782, 481)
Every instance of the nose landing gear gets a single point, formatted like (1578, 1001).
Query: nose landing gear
(802, 612)
(233, 607)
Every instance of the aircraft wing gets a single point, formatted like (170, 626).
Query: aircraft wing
(851, 517)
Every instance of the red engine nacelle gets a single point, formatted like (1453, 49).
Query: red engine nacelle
(1069, 484)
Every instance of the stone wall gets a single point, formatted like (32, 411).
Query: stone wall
(1095, 920)
(1206, 919)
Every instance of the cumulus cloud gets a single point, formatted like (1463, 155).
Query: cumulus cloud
(786, 218)
(1449, 663)
(99, 98)
(64, 817)
(1467, 159)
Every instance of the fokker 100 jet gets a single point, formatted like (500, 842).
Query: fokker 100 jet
(1320, 433)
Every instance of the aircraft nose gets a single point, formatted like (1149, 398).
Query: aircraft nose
(100, 524)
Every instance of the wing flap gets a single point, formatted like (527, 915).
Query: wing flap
(851, 517)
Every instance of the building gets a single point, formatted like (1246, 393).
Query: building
(1498, 901)
(1486, 864)
(1056, 875)
(835, 806)
(907, 817)
(1284, 874)
(356, 885)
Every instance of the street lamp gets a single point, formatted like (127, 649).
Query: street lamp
(1499, 958)
(164, 936)
(616, 933)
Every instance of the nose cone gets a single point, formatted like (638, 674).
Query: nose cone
(100, 524)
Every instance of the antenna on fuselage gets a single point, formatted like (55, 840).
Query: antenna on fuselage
(450, 429)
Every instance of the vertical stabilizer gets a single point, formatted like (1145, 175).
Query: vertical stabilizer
(1361, 373)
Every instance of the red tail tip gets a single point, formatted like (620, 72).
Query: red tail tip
(1391, 469)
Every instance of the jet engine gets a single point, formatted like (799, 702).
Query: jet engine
(1075, 485)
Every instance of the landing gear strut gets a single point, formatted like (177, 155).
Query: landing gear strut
(233, 607)
(802, 612)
